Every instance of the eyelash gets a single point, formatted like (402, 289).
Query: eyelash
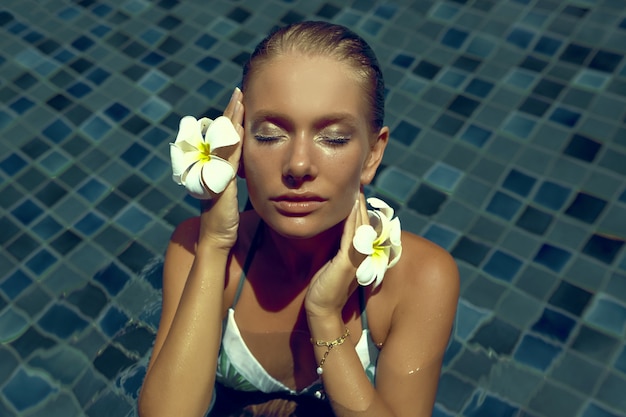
(265, 139)
(335, 141)
(330, 141)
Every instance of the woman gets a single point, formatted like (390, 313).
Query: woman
(261, 309)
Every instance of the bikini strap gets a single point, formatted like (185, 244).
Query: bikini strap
(256, 241)
(362, 303)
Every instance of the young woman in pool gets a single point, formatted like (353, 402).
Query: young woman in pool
(281, 309)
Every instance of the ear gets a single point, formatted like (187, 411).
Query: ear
(375, 156)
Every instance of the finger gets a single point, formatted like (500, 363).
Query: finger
(237, 116)
(206, 205)
(235, 112)
(360, 219)
(350, 226)
(364, 218)
(352, 223)
(232, 103)
(236, 119)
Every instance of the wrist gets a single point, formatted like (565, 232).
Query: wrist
(325, 327)
(322, 314)
(208, 247)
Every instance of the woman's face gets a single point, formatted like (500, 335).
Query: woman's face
(308, 145)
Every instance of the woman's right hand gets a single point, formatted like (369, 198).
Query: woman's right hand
(186, 348)
(220, 215)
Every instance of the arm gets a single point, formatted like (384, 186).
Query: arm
(410, 362)
(424, 293)
(185, 351)
(181, 372)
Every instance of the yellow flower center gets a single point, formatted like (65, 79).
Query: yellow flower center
(378, 255)
(379, 244)
(205, 152)
(379, 248)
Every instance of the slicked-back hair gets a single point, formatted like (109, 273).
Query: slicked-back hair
(317, 38)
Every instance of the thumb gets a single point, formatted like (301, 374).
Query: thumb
(354, 220)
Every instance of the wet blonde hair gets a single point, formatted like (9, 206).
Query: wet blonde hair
(326, 39)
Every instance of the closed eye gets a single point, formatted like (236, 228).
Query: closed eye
(335, 140)
(266, 139)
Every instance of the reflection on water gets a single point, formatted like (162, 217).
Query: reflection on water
(99, 366)
(123, 361)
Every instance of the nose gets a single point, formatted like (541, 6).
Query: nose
(299, 165)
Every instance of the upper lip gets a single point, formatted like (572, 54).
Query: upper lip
(299, 197)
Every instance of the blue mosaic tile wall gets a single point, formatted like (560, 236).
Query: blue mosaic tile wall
(508, 148)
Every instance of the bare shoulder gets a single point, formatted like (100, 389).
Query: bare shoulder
(418, 296)
(425, 263)
(417, 303)
(425, 284)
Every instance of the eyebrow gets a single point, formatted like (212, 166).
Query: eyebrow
(283, 120)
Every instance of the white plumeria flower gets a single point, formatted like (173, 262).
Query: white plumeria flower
(194, 162)
(380, 241)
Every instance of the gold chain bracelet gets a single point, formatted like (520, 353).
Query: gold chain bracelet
(329, 345)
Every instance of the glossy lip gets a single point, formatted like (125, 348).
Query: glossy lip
(297, 204)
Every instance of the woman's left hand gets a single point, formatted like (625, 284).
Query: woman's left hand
(333, 284)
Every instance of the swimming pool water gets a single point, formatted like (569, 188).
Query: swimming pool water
(508, 148)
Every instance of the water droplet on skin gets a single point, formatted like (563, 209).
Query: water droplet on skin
(414, 371)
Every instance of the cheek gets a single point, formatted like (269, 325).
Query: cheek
(252, 170)
(346, 174)
(254, 160)
(363, 174)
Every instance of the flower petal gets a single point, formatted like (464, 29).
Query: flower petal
(193, 182)
(204, 124)
(363, 240)
(217, 173)
(379, 204)
(378, 281)
(394, 256)
(395, 238)
(380, 267)
(384, 235)
(221, 132)
(181, 162)
(374, 219)
(366, 273)
(383, 228)
(395, 232)
(189, 131)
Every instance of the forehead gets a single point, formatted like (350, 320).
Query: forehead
(306, 86)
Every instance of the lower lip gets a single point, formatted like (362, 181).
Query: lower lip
(297, 207)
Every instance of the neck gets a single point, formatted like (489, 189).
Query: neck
(285, 266)
(302, 258)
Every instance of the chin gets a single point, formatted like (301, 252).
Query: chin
(301, 228)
